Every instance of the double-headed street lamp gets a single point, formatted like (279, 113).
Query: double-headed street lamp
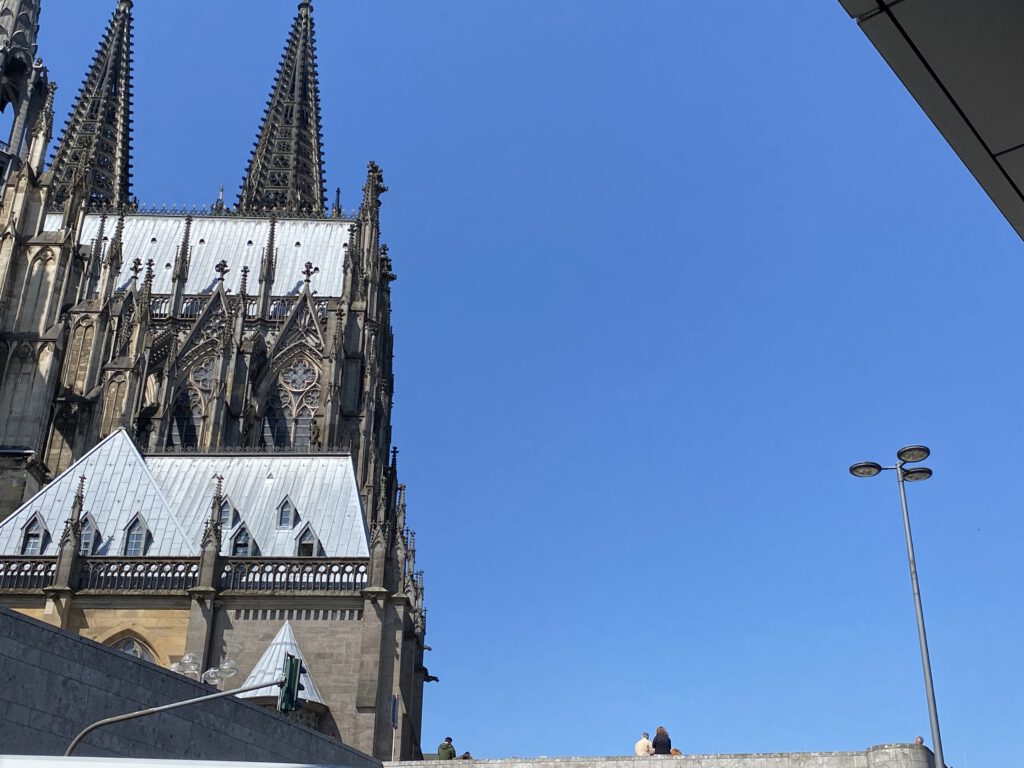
(912, 454)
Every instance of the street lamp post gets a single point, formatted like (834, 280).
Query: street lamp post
(912, 454)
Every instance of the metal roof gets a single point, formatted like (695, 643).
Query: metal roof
(118, 486)
(269, 667)
(238, 240)
(173, 494)
(322, 488)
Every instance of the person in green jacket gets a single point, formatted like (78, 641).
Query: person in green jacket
(447, 750)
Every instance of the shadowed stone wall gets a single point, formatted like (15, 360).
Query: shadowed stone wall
(53, 684)
(884, 756)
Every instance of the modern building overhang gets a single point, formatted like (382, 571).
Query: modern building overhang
(964, 64)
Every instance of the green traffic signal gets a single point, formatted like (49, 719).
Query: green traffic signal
(292, 671)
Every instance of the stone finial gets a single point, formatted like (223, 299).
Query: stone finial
(213, 528)
(221, 269)
(79, 501)
(135, 268)
(309, 271)
(336, 208)
(243, 289)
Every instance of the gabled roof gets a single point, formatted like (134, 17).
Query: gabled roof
(173, 494)
(322, 488)
(268, 669)
(118, 487)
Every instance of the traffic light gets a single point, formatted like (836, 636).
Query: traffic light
(292, 671)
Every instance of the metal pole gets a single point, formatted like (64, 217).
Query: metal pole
(933, 714)
(153, 710)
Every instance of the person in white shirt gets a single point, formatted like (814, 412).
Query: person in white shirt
(643, 747)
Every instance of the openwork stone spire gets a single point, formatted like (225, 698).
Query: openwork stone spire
(97, 137)
(285, 171)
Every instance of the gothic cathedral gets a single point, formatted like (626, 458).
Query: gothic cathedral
(195, 406)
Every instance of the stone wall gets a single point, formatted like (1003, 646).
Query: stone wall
(328, 631)
(53, 684)
(884, 756)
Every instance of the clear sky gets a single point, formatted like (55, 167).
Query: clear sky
(665, 270)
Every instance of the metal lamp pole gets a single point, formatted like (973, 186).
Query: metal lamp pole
(910, 455)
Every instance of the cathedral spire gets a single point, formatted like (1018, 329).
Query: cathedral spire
(285, 172)
(97, 137)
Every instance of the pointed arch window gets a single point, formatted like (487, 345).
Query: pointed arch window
(188, 414)
(136, 538)
(33, 539)
(308, 544)
(243, 544)
(135, 647)
(290, 407)
(286, 514)
(91, 539)
(227, 513)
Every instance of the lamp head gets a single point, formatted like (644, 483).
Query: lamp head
(917, 473)
(913, 453)
(865, 469)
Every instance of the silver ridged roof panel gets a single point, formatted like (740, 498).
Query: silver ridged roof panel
(322, 488)
(238, 240)
(271, 663)
(174, 494)
(118, 486)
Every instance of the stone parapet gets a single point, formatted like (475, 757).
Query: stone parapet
(882, 756)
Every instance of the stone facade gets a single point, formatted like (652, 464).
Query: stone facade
(55, 684)
(260, 329)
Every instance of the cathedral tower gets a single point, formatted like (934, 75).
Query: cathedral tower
(152, 350)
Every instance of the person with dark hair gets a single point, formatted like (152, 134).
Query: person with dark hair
(447, 750)
(662, 743)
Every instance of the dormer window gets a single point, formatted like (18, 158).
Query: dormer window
(242, 544)
(286, 514)
(136, 538)
(309, 544)
(227, 514)
(90, 537)
(32, 538)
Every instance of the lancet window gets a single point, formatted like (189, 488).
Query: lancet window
(77, 369)
(242, 544)
(286, 514)
(32, 538)
(190, 405)
(136, 539)
(90, 539)
(114, 405)
(290, 407)
(227, 514)
(309, 544)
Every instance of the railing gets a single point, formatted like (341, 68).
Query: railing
(159, 306)
(118, 573)
(17, 573)
(293, 575)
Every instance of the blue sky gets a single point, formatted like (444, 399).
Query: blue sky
(665, 270)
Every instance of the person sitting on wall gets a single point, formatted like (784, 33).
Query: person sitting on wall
(447, 750)
(643, 747)
(662, 743)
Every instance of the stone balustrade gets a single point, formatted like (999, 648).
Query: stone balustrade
(26, 573)
(293, 574)
(138, 574)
